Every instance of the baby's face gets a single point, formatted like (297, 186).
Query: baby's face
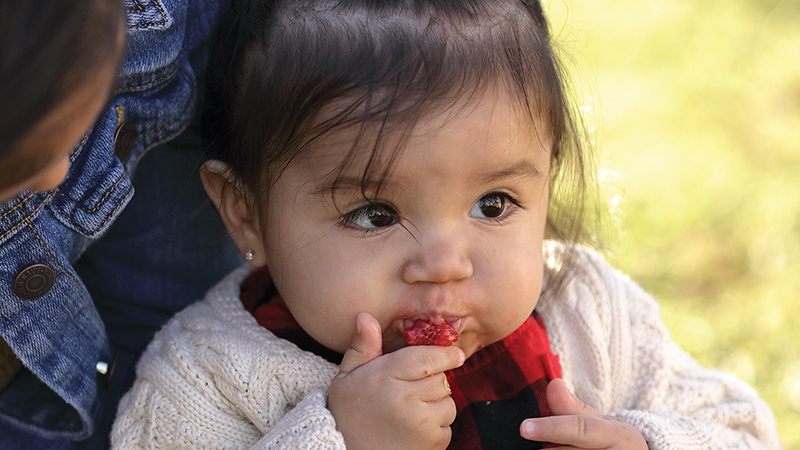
(454, 234)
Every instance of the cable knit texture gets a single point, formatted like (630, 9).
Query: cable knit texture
(214, 378)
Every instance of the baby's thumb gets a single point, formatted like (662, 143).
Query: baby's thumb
(562, 402)
(366, 344)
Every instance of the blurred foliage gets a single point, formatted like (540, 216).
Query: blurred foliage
(694, 109)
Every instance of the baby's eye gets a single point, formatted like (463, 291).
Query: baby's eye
(371, 217)
(493, 206)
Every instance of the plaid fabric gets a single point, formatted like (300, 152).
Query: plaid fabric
(501, 385)
(495, 390)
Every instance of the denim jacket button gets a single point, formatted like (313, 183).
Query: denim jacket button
(105, 371)
(102, 367)
(34, 281)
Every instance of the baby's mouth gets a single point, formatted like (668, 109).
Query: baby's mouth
(430, 331)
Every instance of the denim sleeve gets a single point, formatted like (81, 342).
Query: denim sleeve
(48, 317)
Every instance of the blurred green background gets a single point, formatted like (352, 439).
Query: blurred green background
(694, 110)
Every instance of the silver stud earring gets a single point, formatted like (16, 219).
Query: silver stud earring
(249, 255)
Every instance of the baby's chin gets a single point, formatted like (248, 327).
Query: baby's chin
(472, 342)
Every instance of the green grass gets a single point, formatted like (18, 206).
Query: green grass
(696, 112)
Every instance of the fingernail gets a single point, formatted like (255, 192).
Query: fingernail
(461, 357)
(528, 427)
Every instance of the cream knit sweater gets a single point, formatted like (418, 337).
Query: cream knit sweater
(214, 378)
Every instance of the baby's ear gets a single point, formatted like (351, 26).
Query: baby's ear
(227, 195)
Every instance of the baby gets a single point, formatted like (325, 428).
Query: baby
(392, 170)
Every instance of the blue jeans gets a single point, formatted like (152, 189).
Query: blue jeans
(161, 254)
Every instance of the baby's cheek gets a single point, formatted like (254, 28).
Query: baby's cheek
(331, 331)
(510, 308)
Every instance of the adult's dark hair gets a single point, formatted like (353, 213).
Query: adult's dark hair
(290, 71)
(47, 49)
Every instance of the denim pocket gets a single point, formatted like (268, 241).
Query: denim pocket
(157, 89)
(147, 15)
(156, 31)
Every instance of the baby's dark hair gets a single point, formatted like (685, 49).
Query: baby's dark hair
(288, 72)
(47, 49)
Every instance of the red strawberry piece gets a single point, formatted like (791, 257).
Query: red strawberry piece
(425, 332)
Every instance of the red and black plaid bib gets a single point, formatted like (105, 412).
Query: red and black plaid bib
(495, 390)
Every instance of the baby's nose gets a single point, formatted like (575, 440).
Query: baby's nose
(439, 260)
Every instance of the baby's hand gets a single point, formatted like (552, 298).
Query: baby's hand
(397, 400)
(576, 425)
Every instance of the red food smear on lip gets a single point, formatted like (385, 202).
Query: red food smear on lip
(423, 332)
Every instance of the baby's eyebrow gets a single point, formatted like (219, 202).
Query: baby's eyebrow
(523, 168)
(350, 183)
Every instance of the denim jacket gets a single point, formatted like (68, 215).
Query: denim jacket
(47, 316)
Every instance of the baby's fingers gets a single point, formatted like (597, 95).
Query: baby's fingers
(583, 432)
(415, 363)
(432, 389)
(444, 412)
(563, 402)
(365, 344)
(577, 431)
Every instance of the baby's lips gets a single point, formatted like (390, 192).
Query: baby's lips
(426, 332)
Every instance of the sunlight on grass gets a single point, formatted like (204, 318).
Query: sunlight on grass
(696, 110)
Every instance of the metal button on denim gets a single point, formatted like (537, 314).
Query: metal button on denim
(105, 371)
(34, 281)
(101, 367)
